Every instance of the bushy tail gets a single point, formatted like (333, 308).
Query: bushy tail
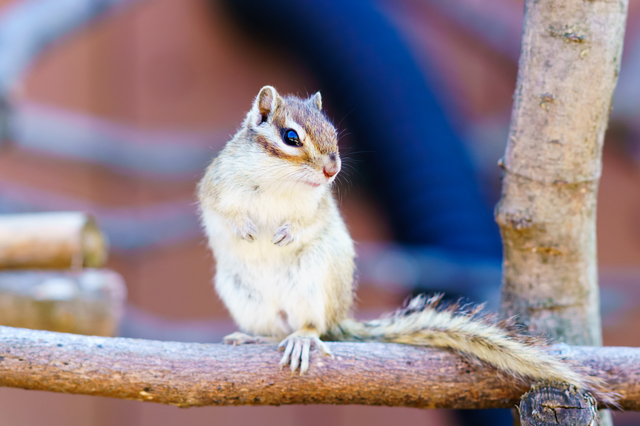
(422, 323)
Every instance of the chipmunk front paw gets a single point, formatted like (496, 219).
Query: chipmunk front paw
(283, 235)
(245, 229)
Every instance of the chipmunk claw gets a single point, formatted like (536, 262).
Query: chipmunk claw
(297, 348)
(246, 229)
(283, 236)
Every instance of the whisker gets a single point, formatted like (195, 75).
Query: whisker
(349, 113)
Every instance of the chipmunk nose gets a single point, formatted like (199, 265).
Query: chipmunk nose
(331, 170)
(333, 167)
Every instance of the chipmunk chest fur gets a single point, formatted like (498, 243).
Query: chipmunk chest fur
(268, 204)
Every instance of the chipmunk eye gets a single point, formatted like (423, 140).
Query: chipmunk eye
(291, 138)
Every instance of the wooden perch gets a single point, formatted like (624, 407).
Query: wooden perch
(51, 240)
(192, 374)
(86, 302)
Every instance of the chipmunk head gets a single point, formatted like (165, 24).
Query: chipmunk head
(296, 132)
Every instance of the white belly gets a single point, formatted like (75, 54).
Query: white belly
(267, 288)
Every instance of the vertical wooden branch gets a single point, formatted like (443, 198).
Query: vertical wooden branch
(568, 69)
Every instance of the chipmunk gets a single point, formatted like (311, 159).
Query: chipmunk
(285, 260)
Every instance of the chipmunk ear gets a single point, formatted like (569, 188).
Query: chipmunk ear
(316, 101)
(264, 105)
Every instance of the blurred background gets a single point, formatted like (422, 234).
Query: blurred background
(115, 107)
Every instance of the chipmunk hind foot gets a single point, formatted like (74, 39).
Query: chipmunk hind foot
(297, 348)
(239, 338)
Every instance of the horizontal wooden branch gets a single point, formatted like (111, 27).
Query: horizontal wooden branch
(191, 374)
(88, 301)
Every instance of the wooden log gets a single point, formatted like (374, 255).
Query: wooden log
(191, 374)
(87, 302)
(51, 241)
(560, 404)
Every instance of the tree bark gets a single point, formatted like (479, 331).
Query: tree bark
(191, 374)
(86, 302)
(51, 240)
(570, 57)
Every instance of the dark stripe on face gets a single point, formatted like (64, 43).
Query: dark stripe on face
(274, 151)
